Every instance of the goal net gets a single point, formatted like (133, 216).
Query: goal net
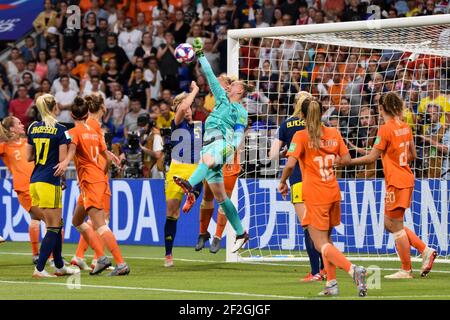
(347, 66)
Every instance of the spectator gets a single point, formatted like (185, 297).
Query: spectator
(244, 11)
(348, 121)
(140, 64)
(268, 11)
(210, 51)
(141, 24)
(5, 97)
(117, 109)
(230, 9)
(90, 46)
(259, 19)
(303, 17)
(53, 64)
(43, 21)
(95, 87)
(98, 12)
(91, 29)
(130, 38)
(196, 32)
(30, 50)
(179, 28)
(146, 49)
(70, 34)
(222, 21)
(82, 68)
(159, 38)
(101, 39)
(57, 86)
(291, 7)
(31, 68)
(435, 97)
(208, 5)
(166, 117)
(20, 106)
(64, 101)
(166, 97)
(353, 11)
(154, 80)
(168, 65)
(162, 5)
(111, 76)
(45, 87)
(17, 69)
(413, 9)
(114, 51)
(153, 157)
(27, 81)
(319, 17)
(41, 65)
(268, 82)
(207, 22)
(130, 123)
(189, 12)
(277, 18)
(118, 25)
(140, 89)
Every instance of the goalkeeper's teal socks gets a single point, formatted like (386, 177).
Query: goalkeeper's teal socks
(199, 174)
(232, 216)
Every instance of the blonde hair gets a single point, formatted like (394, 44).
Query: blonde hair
(300, 97)
(314, 123)
(178, 99)
(5, 126)
(45, 105)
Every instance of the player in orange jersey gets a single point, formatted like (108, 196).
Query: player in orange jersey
(13, 148)
(316, 148)
(87, 146)
(97, 109)
(395, 144)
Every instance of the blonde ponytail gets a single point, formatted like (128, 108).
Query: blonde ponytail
(299, 99)
(45, 105)
(314, 124)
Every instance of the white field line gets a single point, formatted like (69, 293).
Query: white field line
(215, 261)
(240, 294)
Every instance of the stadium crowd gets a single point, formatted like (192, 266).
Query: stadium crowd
(124, 51)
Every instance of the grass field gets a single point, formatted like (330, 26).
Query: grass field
(201, 275)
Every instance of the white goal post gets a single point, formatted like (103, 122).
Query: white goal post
(358, 61)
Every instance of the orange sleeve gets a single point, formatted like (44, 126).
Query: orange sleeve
(343, 150)
(74, 136)
(382, 139)
(102, 145)
(295, 149)
(2, 149)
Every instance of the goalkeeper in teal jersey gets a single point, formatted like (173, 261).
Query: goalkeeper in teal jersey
(224, 131)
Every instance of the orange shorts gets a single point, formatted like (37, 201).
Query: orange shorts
(24, 199)
(397, 199)
(94, 195)
(230, 182)
(322, 216)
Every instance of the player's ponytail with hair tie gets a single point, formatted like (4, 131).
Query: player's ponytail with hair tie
(313, 115)
(94, 102)
(80, 109)
(300, 99)
(45, 105)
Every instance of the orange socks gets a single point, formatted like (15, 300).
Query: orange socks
(414, 240)
(34, 230)
(335, 257)
(205, 216)
(330, 269)
(403, 249)
(111, 243)
(91, 237)
(82, 246)
(221, 223)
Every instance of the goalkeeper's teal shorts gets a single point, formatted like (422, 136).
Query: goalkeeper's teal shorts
(222, 153)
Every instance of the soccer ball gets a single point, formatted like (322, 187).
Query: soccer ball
(184, 53)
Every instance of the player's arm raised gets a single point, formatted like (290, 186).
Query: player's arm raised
(186, 104)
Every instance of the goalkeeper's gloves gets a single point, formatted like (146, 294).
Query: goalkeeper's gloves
(198, 47)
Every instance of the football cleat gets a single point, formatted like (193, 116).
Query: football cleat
(80, 263)
(330, 290)
(66, 271)
(215, 245)
(42, 274)
(359, 277)
(401, 274)
(202, 238)
(428, 257)
(189, 203)
(168, 262)
(240, 242)
(183, 184)
(2, 239)
(121, 270)
(312, 278)
(102, 264)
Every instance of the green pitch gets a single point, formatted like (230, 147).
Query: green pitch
(200, 275)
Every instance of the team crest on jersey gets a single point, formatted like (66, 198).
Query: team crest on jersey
(377, 140)
(292, 147)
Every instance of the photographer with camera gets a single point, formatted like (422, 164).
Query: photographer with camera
(432, 139)
(151, 144)
(187, 136)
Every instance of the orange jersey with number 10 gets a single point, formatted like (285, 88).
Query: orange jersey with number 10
(89, 146)
(394, 140)
(320, 185)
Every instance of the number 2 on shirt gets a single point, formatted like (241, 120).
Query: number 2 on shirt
(325, 166)
(42, 146)
(403, 159)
